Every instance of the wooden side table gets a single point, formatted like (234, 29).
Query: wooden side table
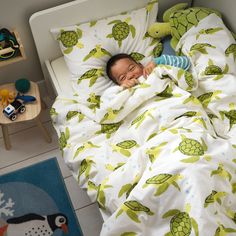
(32, 112)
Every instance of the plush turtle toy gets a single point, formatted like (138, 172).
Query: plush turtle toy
(177, 20)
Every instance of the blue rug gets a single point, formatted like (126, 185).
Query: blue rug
(34, 202)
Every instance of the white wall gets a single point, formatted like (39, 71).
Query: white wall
(226, 7)
(15, 14)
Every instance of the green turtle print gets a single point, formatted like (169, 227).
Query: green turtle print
(208, 31)
(127, 188)
(84, 147)
(108, 129)
(132, 208)
(63, 138)
(85, 167)
(150, 5)
(213, 197)
(231, 115)
(181, 224)
(232, 215)
(162, 182)
(121, 30)
(124, 147)
(94, 101)
(110, 115)
(128, 234)
(92, 75)
(101, 198)
(223, 231)
(137, 56)
(155, 151)
(200, 47)
(97, 52)
(206, 98)
(139, 119)
(231, 50)
(193, 148)
(72, 114)
(188, 114)
(70, 38)
(166, 93)
(222, 172)
(115, 167)
(212, 69)
(188, 77)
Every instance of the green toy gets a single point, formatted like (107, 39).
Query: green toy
(177, 20)
(22, 85)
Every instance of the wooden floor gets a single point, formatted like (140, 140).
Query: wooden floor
(29, 147)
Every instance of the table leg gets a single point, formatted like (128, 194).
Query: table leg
(6, 137)
(43, 130)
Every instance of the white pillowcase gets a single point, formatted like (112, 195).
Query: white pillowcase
(87, 47)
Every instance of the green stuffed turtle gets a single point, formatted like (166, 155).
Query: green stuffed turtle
(178, 20)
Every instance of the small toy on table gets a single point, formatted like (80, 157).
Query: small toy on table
(18, 105)
(7, 97)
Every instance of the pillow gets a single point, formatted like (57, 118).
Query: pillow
(87, 47)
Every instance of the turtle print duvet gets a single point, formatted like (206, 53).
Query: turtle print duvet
(160, 158)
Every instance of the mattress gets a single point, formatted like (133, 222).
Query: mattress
(62, 75)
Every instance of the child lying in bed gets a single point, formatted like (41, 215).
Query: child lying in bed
(125, 71)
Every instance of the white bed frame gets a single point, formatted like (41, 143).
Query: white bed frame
(75, 12)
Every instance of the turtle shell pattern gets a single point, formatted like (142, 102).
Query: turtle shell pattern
(158, 50)
(205, 96)
(231, 115)
(213, 70)
(120, 31)
(230, 49)
(191, 147)
(165, 93)
(136, 206)
(89, 74)
(69, 38)
(180, 224)
(62, 141)
(158, 179)
(137, 56)
(110, 128)
(127, 144)
(71, 114)
(189, 79)
(181, 21)
(210, 198)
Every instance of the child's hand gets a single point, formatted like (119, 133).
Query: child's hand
(147, 70)
(130, 83)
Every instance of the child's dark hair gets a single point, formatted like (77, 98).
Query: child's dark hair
(112, 61)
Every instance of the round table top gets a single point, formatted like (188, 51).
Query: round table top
(33, 109)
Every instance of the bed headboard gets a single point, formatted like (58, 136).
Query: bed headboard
(78, 11)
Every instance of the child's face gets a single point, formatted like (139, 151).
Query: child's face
(125, 70)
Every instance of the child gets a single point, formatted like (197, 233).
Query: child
(125, 71)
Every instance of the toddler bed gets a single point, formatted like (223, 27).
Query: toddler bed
(158, 158)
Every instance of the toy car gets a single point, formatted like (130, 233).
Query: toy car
(13, 108)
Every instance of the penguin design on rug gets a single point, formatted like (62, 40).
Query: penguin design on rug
(34, 225)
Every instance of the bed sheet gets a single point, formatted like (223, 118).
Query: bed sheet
(152, 156)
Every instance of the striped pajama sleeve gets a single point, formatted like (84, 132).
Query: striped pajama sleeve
(177, 61)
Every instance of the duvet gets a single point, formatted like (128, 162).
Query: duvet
(160, 158)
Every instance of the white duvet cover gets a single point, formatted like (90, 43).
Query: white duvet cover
(150, 156)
